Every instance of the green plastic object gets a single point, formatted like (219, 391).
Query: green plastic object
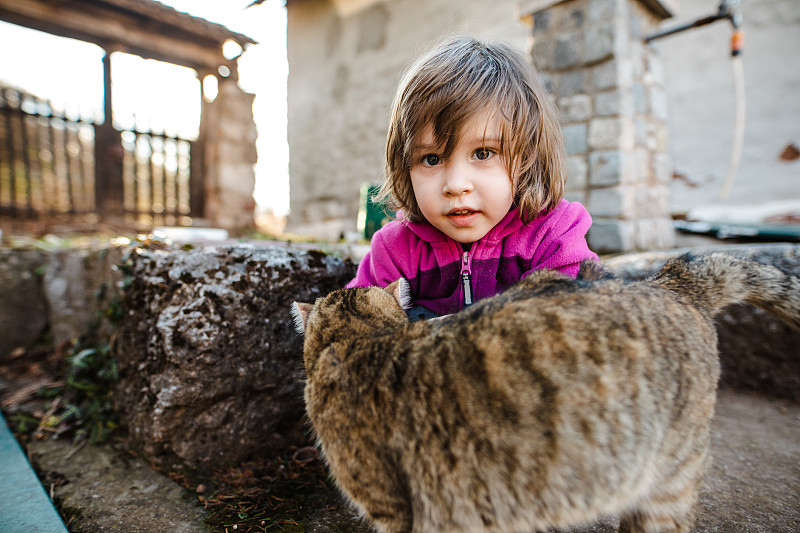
(372, 215)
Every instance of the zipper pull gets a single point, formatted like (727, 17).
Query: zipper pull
(466, 279)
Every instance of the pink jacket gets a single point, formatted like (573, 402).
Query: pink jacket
(443, 277)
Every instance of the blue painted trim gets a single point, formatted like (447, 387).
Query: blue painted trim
(24, 504)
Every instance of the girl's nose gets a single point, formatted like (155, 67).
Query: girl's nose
(457, 180)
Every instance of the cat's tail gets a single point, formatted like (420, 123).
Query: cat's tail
(716, 280)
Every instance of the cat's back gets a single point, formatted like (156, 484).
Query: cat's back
(594, 346)
(571, 391)
(554, 316)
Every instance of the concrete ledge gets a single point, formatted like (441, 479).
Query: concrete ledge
(24, 505)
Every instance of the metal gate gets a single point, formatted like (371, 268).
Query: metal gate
(50, 166)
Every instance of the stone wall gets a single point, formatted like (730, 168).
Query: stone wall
(346, 58)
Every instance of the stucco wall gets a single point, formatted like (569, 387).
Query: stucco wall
(346, 59)
(700, 92)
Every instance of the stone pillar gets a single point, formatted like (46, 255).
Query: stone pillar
(609, 88)
(230, 156)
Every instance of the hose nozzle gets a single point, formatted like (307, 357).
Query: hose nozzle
(737, 42)
(731, 10)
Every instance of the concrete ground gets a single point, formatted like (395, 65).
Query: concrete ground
(752, 487)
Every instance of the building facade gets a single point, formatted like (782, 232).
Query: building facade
(637, 117)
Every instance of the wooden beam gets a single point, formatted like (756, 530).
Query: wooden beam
(106, 25)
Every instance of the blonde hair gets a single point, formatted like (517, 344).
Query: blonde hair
(453, 82)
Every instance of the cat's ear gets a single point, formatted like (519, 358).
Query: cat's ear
(401, 291)
(300, 312)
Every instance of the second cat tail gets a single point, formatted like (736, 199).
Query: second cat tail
(714, 281)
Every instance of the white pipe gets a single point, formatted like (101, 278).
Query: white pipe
(738, 133)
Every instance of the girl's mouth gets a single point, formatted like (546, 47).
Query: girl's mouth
(462, 217)
(461, 212)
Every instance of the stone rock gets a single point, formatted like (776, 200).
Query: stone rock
(210, 364)
(577, 174)
(78, 283)
(611, 133)
(575, 138)
(610, 235)
(619, 201)
(50, 296)
(758, 352)
(609, 167)
(575, 108)
(23, 309)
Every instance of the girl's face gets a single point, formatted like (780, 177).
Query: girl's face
(467, 193)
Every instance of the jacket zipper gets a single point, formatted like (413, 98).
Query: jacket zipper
(466, 278)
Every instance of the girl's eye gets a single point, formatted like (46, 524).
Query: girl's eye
(482, 154)
(431, 160)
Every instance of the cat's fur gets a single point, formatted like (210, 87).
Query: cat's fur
(547, 406)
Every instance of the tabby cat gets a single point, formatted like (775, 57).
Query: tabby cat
(550, 405)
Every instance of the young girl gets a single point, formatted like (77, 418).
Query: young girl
(475, 161)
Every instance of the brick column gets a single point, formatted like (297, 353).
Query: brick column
(609, 88)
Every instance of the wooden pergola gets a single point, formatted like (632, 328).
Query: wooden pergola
(145, 28)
